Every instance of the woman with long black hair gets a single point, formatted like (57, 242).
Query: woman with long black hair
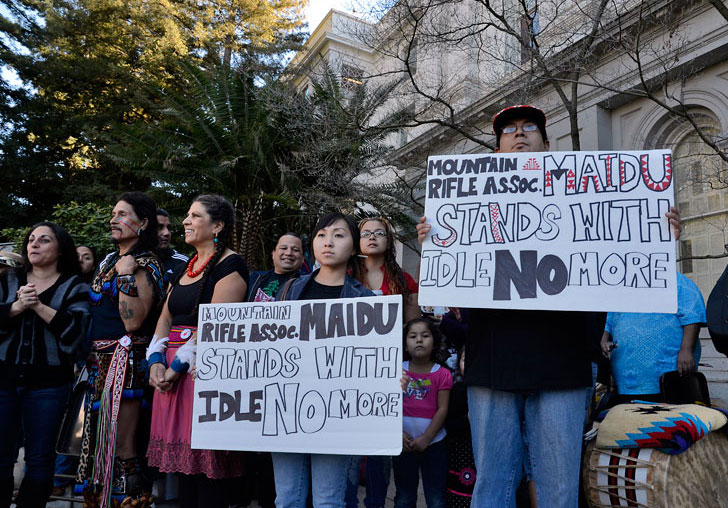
(378, 267)
(215, 274)
(336, 247)
(88, 260)
(44, 313)
(380, 272)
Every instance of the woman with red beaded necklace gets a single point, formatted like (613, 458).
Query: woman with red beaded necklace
(215, 274)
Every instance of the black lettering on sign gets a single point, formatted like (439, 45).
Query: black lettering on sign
(351, 361)
(326, 321)
(279, 409)
(549, 274)
(507, 271)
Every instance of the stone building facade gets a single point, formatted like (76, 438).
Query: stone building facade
(688, 56)
(678, 50)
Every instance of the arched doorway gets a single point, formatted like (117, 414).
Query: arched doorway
(701, 193)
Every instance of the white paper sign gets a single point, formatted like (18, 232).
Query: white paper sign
(550, 230)
(318, 376)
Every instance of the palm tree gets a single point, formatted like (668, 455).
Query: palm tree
(214, 136)
(282, 157)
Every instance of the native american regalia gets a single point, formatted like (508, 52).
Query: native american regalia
(170, 447)
(116, 367)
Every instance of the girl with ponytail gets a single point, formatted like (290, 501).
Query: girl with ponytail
(215, 274)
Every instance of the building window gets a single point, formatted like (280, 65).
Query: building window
(403, 138)
(530, 28)
(686, 251)
(713, 201)
(700, 183)
(698, 172)
(684, 208)
(351, 77)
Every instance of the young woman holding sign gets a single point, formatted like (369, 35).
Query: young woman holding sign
(335, 247)
(215, 274)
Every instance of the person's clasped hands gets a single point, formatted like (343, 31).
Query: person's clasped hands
(156, 378)
(27, 296)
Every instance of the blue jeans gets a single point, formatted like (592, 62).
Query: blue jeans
(351, 499)
(377, 471)
(65, 464)
(433, 465)
(551, 421)
(328, 475)
(38, 413)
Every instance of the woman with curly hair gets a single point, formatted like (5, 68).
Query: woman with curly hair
(215, 274)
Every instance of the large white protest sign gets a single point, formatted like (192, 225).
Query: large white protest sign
(316, 376)
(550, 230)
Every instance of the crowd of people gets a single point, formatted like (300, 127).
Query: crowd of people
(492, 399)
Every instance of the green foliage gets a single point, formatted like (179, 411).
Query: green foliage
(177, 99)
(87, 223)
(216, 137)
(282, 158)
(14, 235)
(341, 140)
(88, 66)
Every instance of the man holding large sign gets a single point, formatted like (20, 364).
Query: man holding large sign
(559, 231)
(504, 235)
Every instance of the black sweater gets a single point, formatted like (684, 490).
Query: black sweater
(526, 350)
(34, 353)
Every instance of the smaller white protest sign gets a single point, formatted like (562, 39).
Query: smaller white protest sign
(550, 230)
(317, 376)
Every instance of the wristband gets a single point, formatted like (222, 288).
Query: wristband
(156, 350)
(127, 285)
(185, 357)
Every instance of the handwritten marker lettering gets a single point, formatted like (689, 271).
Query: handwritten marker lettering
(550, 230)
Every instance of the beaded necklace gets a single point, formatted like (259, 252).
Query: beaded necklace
(194, 273)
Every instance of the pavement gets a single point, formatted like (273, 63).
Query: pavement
(160, 488)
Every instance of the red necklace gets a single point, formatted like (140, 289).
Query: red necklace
(194, 273)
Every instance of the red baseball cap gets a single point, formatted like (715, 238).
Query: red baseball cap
(510, 113)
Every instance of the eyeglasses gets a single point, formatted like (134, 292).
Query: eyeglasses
(378, 232)
(529, 127)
